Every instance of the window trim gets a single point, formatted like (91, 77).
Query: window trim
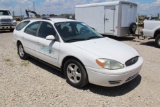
(56, 36)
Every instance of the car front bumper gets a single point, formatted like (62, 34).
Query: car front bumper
(7, 27)
(114, 77)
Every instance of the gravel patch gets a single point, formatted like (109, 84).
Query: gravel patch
(31, 83)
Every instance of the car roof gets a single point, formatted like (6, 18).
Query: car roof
(55, 20)
(60, 19)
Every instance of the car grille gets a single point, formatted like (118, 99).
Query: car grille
(6, 21)
(132, 61)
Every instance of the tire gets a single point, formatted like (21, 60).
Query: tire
(75, 73)
(133, 28)
(158, 40)
(22, 54)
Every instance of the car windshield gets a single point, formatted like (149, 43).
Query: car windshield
(4, 12)
(76, 31)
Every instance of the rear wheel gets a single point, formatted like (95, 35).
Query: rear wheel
(22, 54)
(75, 73)
(158, 40)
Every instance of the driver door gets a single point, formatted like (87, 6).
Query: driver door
(48, 50)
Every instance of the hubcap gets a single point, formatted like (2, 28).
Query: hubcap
(21, 51)
(73, 73)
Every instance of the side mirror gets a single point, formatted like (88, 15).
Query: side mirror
(50, 37)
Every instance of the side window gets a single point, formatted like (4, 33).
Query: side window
(22, 25)
(46, 29)
(32, 28)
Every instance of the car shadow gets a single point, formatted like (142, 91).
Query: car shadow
(114, 91)
(106, 91)
(150, 44)
(46, 67)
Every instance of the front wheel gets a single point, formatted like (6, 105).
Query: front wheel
(75, 73)
(158, 40)
(22, 54)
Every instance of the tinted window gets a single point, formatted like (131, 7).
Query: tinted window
(76, 31)
(4, 12)
(32, 28)
(22, 25)
(46, 29)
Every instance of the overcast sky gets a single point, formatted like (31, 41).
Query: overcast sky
(145, 7)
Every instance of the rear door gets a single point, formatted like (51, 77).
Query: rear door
(109, 19)
(30, 37)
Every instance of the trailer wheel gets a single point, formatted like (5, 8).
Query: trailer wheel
(133, 28)
(158, 40)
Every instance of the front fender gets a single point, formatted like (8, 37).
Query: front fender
(85, 57)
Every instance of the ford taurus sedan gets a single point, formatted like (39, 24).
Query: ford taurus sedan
(80, 52)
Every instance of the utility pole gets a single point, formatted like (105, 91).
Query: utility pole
(33, 6)
(21, 11)
(13, 13)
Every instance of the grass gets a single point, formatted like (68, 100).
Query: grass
(24, 63)
(7, 60)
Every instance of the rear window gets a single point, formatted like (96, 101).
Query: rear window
(22, 25)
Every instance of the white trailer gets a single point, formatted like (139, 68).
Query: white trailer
(116, 18)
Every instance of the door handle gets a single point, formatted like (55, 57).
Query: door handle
(106, 19)
(38, 43)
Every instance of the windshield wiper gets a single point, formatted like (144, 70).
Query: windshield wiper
(74, 40)
(93, 37)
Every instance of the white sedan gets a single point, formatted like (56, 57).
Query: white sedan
(80, 52)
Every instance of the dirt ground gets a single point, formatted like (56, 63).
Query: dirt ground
(31, 83)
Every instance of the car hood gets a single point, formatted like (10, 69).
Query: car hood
(107, 48)
(6, 17)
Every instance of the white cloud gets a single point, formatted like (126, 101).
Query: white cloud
(152, 9)
(4, 0)
(22, 1)
(58, 6)
(157, 2)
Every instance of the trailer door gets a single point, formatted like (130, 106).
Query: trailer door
(109, 19)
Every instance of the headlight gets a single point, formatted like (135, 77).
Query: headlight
(14, 22)
(109, 64)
